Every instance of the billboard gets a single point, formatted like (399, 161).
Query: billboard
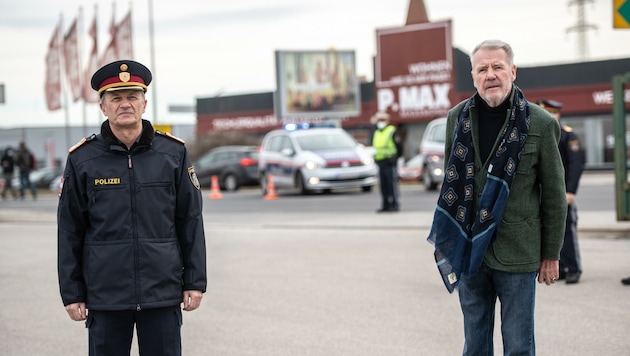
(316, 84)
(414, 71)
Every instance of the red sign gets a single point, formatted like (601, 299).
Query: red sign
(414, 71)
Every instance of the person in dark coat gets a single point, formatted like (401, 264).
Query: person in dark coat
(573, 161)
(25, 160)
(8, 170)
(131, 243)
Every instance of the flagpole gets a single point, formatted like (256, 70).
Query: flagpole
(80, 30)
(63, 87)
(151, 41)
(95, 40)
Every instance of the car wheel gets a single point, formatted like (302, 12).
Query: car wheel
(230, 183)
(366, 188)
(429, 184)
(299, 184)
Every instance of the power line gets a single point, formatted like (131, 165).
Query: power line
(581, 27)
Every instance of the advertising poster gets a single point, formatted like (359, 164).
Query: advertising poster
(316, 84)
(414, 71)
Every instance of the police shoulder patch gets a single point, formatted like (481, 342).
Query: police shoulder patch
(81, 143)
(166, 134)
(193, 177)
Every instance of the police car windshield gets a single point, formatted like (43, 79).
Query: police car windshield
(326, 141)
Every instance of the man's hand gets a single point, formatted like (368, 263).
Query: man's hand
(76, 311)
(192, 299)
(549, 271)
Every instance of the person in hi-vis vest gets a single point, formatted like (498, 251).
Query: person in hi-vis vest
(388, 148)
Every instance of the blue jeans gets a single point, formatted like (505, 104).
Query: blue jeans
(478, 295)
(25, 183)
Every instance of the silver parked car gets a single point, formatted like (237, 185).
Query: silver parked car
(313, 159)
(432, 151)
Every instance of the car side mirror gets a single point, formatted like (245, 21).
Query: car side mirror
(288, 152)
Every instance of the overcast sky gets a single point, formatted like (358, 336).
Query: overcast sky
(208, 48)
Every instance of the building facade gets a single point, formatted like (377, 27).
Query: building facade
(584, 88)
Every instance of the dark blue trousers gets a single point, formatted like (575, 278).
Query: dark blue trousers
(158, 330)
(570, 254)
(388, 177)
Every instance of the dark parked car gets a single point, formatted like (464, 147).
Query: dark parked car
(234, 166)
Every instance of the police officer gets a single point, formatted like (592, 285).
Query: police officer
(387, 149)
(131, 244)
(573, 161)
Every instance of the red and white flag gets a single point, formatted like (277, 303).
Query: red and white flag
(124, 46)
(71, 57)
(89, 94)
(120, 45)
(53, 73)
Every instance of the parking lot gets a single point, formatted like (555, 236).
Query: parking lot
(315, 282)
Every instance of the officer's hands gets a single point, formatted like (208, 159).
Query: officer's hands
(570, 198)
(192, 299)
(76, 311)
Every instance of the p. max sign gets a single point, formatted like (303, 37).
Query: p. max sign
(414, 71)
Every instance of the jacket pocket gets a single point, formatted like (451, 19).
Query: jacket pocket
(109, 273)
(518, 243)
(160, 270)
(528, 158)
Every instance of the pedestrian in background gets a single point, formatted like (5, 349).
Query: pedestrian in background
(573, 162)
(26, 162)
(500, 217)
(131, 244)
(388, 147)
(8, 170)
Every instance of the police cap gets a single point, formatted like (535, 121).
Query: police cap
(120, 75)
(549, 104)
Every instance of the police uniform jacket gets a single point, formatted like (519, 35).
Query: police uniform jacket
(533, 222)
(572, 158)
(130, 227)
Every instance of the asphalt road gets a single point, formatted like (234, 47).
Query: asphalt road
(316, 281)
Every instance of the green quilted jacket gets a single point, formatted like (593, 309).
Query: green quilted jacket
(532, 227)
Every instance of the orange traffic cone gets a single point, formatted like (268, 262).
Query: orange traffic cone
(271, 188)
(215, 191)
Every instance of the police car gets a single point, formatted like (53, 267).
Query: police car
(310, 159)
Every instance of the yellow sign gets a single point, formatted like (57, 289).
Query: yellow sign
(163, 128)
(621, 13)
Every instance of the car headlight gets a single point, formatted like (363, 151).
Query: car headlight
(368, 161)
(433, 158)
(310, 165)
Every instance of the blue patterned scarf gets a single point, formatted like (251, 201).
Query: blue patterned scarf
(461, 236)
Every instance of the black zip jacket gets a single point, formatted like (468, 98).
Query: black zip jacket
(130, 226)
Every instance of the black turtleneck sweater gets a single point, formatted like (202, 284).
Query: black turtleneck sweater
(490, 122)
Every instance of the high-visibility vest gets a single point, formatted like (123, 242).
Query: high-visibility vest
(383, 143)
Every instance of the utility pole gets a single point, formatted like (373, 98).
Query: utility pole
(151, 42)
(581, 27)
